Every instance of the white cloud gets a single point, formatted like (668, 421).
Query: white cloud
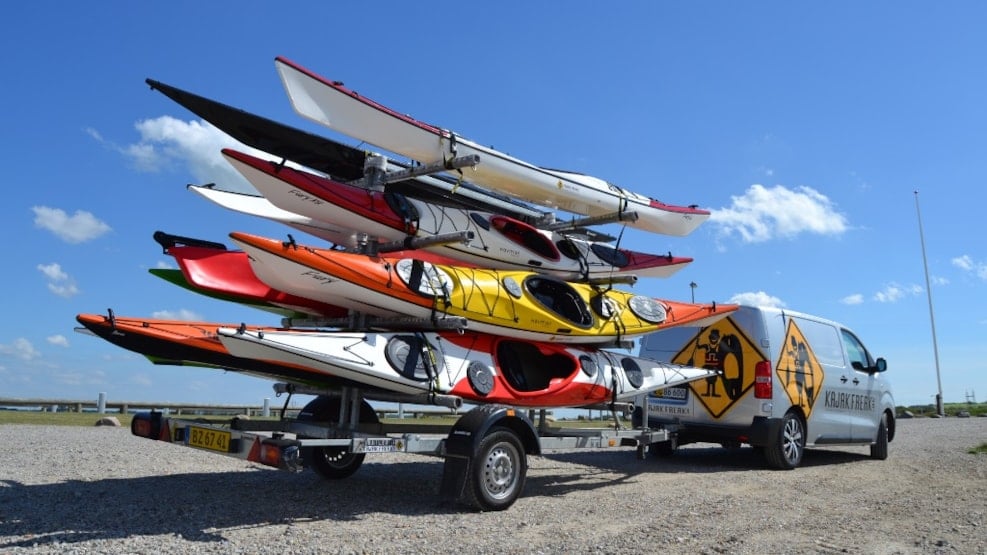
(53, 271)
(856, 298)
(59, 340)
(78, 228)
(59, 282)
(20, 348)
(197, 143)
(141, 379)
(968, 264)
(89, 378)
(762, 214)
(758, 298)
(182, 314)
(894, 292)
(164, 265)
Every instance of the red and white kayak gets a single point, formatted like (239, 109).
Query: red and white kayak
(331, 104)
(476, 367)
(499, 241)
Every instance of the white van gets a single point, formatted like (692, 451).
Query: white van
(784, 381)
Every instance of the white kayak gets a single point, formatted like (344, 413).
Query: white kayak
(498, 241)
(476, 367)
(331, 104)
(259, 206)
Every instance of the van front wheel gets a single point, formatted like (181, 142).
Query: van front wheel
(879, 449)
(787, 447)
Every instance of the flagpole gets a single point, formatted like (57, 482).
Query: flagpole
(932, 319)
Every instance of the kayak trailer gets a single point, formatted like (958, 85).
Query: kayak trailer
(485, 450)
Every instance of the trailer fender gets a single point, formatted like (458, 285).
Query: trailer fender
(464, 439)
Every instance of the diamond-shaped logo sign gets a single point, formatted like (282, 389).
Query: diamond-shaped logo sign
(799, 370)
(725, 348)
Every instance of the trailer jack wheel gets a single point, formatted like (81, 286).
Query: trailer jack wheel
(334, 463)
(498, 470)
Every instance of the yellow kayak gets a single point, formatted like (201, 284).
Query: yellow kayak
(521, 304)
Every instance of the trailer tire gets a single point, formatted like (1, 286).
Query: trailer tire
(496, 477)
(879, 450)
(785, 450)
(333, 463)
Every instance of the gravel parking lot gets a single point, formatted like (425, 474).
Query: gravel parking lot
(101, 490)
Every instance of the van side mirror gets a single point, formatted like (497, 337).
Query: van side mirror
(880, 365)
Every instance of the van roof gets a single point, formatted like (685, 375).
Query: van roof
(776, 311)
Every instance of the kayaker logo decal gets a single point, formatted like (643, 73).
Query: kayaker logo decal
(799, 370)
(722, 347)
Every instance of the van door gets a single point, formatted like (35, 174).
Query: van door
(810, 366)
(865, 390)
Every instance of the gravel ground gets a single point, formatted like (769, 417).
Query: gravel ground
(101, 490)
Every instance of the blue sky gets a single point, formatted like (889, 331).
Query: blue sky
(805, 128)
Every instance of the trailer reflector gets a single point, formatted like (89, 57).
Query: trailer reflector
(270, 454)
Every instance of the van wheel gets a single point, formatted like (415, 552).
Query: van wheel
(879, 449)
(664, 449)
(786, 449)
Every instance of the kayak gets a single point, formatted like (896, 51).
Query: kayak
(256, 205)
(210, 268)
(175, 276)
(498, 241)
(342, 162)
(179, 342)
(332, 104)
(476, 367)
(519, 304)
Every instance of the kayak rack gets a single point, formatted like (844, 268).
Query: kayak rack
(615, 217)
(372, 247)
(360, 321)
(354, 394)
(376, 174)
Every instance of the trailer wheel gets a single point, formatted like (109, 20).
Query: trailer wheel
(879, 450)
(785, 451)
(498, 471)
(333, 463)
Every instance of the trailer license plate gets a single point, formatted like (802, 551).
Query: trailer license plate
(378, 445)
(205, 438)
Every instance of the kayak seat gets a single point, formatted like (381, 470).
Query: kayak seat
(561, 299)
(526, 236)
(526, 368)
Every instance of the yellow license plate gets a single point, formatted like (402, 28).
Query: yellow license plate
(205, 438)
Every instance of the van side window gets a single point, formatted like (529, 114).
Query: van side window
(855, 350)
(824, 341)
